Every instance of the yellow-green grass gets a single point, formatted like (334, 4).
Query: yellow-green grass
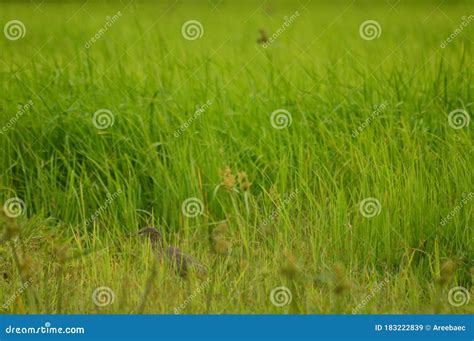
(299, 225)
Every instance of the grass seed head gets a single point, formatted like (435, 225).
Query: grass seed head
(220, 243)
(222, 246)
(61, 253)
(243, 180)
(228, 179)
(220, 230)
(26, 266)
(263, 36)
(341, 283)
(447, 272)
(12, 230)
(290, 268)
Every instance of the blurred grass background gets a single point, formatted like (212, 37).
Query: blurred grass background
(152, 80)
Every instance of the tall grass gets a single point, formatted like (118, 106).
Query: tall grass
(316, 243)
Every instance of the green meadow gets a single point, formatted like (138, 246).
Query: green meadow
(315, 156)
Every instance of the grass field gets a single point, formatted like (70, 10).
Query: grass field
(326, 168)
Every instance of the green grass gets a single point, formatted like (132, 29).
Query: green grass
(316, 243)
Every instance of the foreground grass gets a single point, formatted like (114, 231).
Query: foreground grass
(299, 224)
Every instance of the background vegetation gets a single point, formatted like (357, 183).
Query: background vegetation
(280, 207)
